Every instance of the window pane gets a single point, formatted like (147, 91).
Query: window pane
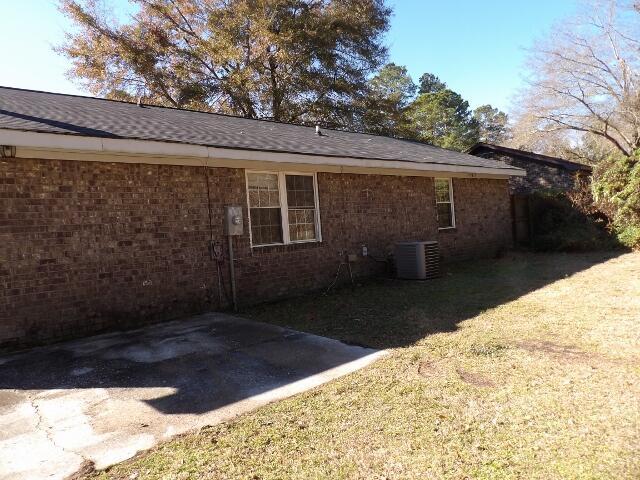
(254, 197)
(442, 190)
(302, 224)
(300, 191)
(265, 226)
(445, 218)
(263, 190)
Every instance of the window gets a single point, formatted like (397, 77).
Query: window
(444, 203)
(302, 207)
(283, 208)
(264, 208)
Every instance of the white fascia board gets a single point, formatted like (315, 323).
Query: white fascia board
(209, 155)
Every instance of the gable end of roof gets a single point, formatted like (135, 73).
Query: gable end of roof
(482, 148)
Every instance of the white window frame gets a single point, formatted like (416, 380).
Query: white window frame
(451, 202)
(284, 206)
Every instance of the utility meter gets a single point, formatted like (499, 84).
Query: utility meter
(233, 224)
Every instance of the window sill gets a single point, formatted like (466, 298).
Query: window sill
(447, 230)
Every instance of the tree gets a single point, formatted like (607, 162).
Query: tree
(393, 83)
(586, 79)
(287, 60)
(583, 103)
(443, 118)
(492, 123)
(390, 93)
(430, 83)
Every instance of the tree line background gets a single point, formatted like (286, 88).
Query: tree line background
(326, 62)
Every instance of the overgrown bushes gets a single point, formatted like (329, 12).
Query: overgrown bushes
(561, 223)
(616, 190)
(601, 214)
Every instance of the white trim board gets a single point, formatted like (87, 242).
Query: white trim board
(74, 147)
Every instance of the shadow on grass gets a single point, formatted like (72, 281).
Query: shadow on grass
(213, 361)
(389, 313)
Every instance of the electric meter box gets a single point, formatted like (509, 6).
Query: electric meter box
(233, 222)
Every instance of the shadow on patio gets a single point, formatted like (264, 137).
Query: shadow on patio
(195, 365)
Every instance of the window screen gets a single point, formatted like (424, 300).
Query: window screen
(444, 203)
(301, 207)
(264, 208)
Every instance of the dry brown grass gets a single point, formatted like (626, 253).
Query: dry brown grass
(528, 367)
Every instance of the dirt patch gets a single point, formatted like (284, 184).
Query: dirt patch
(565, 352)
(474, 379)
(571, 353)
(428, 369)
(437, 368)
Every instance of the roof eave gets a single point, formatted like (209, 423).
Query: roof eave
(202, 154)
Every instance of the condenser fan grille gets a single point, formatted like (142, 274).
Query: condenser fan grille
(417, 260)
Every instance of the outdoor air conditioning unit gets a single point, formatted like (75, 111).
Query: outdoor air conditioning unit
(417, 260)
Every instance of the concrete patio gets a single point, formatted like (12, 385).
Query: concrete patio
(104, 398)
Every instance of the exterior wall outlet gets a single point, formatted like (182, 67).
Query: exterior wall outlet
(365, 251)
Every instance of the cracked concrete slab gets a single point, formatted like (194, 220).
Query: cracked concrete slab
(107, 397)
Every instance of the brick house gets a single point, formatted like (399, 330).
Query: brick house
(112, 212)
(543, 172)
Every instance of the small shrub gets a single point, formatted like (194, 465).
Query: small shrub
(629, 236)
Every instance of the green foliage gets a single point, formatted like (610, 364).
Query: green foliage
(629, 235)
(430, 83)
(438, 115)
(443, 118)
(616, 189)
(493, 124)
(562, 226)
(390, 92)
(393, 83)
(289, 60)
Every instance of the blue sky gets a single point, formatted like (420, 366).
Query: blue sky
(477, 47)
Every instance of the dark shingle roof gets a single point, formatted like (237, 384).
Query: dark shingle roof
(35, 111)
(481, 149)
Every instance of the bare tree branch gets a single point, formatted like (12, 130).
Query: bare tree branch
(584, 81)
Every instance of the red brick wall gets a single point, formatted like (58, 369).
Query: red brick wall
(87, 246)
(483, 219)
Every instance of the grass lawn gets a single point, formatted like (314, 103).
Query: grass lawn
(524, 367)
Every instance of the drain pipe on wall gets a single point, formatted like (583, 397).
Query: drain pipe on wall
(233, 226)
